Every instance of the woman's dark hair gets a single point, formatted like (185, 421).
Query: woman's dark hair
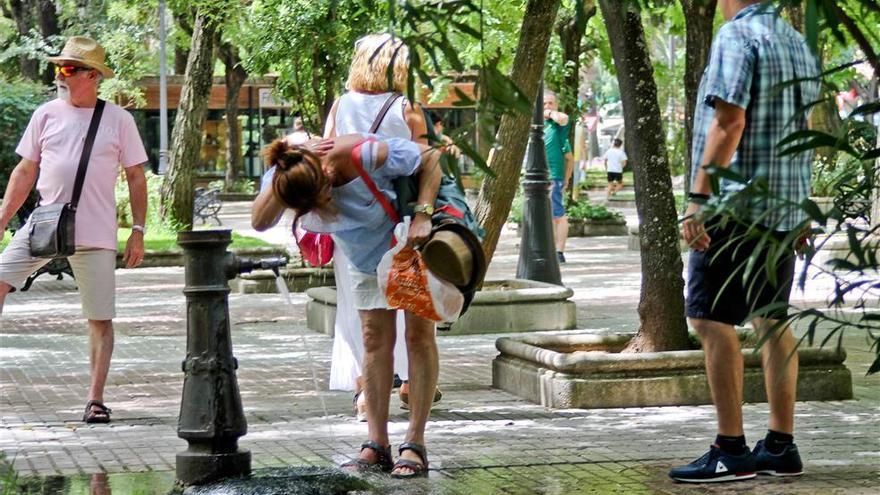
(299, 181)
(618, 141)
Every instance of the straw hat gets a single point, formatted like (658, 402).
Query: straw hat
(84, 51)
(455, 254)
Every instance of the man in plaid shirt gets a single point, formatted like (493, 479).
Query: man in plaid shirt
(748, 101)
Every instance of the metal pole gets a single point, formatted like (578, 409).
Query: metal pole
(163, 94)
(537, 252)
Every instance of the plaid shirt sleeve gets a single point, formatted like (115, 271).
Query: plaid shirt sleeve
(730, 69)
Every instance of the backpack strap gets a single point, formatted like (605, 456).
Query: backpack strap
(383, 200)
(383, 111)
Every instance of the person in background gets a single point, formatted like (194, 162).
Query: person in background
(446, 144)
(298, 133)
(615, 161)
(50, 151)
(560, 162)
(756, 90)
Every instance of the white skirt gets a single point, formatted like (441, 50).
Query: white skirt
(348, 343)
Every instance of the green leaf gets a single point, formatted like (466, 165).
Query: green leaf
(866, 109)
(795, 136)
(871, 155)
(875, 366)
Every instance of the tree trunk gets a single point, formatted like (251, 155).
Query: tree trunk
(186, 140)
(875, 206)
(21, 12)
(699, 16)
(496, 193)
(322, 84)
(181, 55)
(180, 58)
(235, 77)
(661, 305)
(47, 18)
(571, 30)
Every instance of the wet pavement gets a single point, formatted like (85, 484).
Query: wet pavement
(480, 440)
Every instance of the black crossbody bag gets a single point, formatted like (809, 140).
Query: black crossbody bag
(53, 227)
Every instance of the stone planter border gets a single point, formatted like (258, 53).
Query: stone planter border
(296, 279)
(525, 306)
(596, 228)
(565, 371)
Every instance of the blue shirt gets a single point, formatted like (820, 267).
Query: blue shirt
(753, 59)
(360, 225)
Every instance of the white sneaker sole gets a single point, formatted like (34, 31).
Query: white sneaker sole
(720, 479)
(778, 474)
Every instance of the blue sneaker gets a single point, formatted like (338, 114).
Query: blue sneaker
(786, 463)
(716, 466)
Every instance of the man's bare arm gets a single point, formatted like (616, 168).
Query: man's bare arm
(722, 140)
(137, 194)
(556, 116)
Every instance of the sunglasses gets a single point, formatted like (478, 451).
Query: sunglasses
(69, 70)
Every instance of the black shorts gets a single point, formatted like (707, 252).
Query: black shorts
(717, 288)
(615, 176)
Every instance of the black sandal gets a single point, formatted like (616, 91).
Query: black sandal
(102, 415)
(417, 470)
(383, 464)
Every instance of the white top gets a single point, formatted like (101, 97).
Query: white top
(615, 157)
(356, 112)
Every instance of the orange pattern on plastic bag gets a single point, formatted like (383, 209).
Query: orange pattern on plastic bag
(408, 285)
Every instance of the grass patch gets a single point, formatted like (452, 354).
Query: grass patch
(631, 196)
(167, 241)
(599, 178)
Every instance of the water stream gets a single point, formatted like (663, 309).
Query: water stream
(285, 294)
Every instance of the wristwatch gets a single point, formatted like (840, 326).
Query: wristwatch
(139, 228)
(423, 208)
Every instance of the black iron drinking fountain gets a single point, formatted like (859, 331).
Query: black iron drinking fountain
(211, 417)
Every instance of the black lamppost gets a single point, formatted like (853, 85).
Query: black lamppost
(537, 251)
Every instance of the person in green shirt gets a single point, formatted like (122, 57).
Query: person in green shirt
(560, 161)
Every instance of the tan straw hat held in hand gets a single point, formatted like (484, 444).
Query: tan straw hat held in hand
(454, 254)
(83, 51)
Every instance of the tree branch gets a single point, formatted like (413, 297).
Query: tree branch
(858, 36)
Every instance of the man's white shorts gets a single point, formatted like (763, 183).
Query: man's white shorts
(94, 269)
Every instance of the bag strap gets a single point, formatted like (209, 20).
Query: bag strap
(383, 200)
(86, 153)
(384, 110)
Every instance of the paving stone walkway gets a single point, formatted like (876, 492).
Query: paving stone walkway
(481, 440)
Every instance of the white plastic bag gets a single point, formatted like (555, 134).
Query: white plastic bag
(407, 283)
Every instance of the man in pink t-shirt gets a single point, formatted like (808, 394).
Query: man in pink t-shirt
(50, 149)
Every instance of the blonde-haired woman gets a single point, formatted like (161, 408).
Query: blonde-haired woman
(358, 111)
